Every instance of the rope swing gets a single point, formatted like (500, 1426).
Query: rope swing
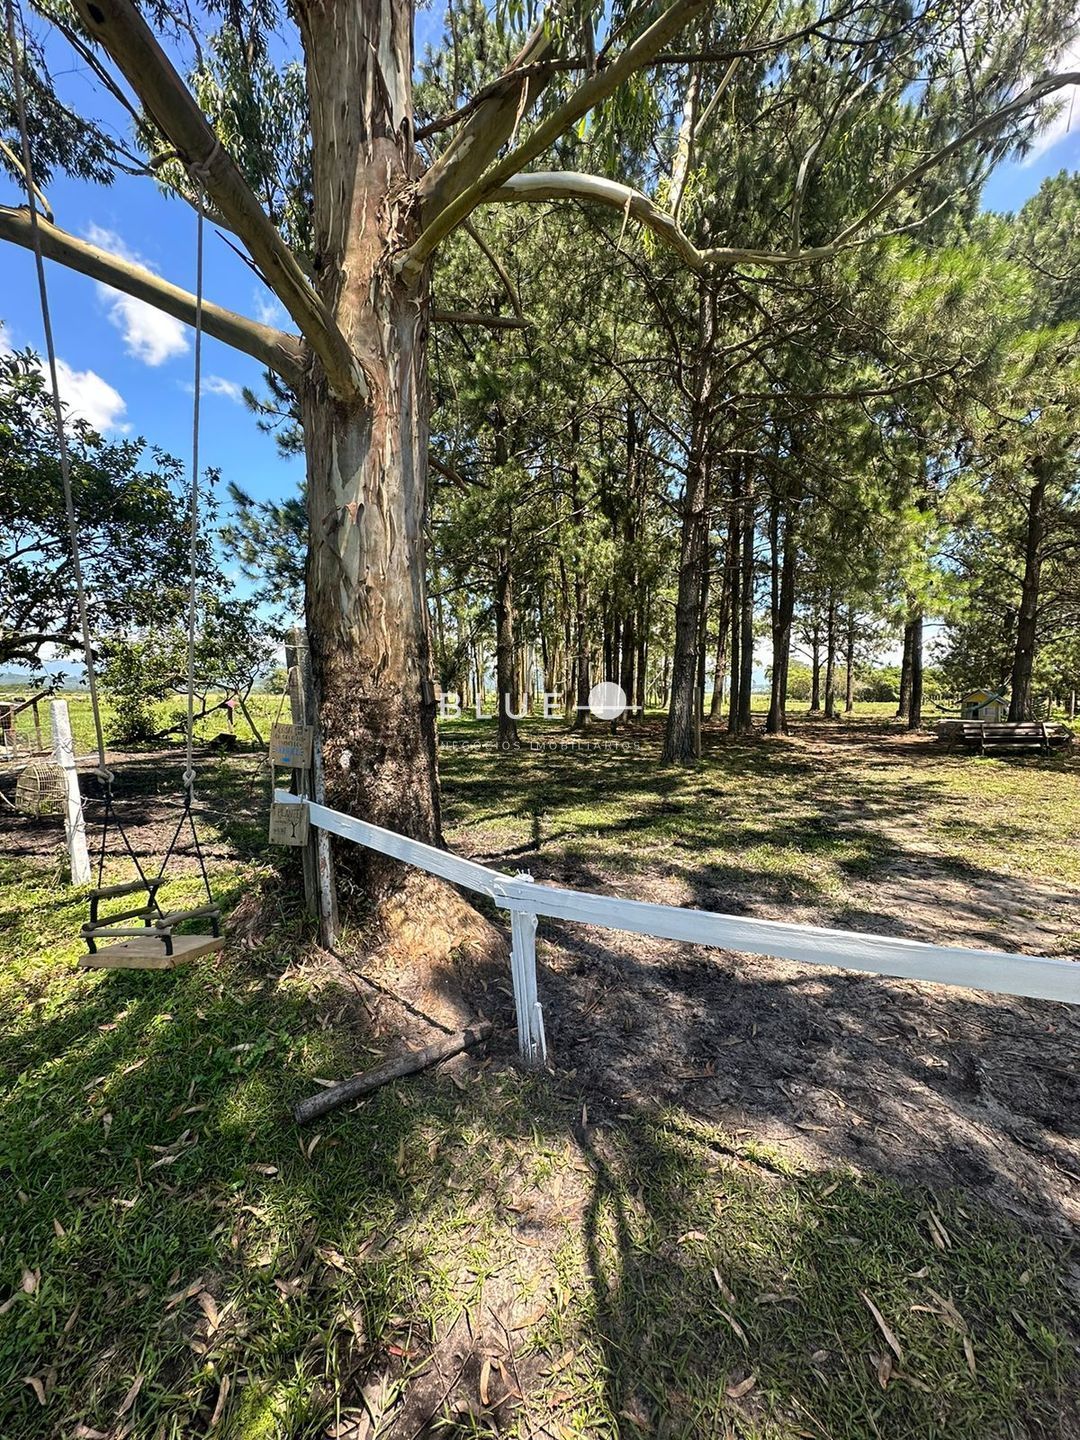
(153, 944)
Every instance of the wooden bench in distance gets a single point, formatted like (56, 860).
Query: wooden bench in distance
(983, 735)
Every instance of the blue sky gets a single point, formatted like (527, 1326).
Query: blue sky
(130, 369)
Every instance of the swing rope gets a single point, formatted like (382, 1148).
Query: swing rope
(193, 507)
(17, 61)
(103, 771)
(193, 555)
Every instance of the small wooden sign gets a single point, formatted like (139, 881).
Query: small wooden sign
(291, 745)
(288, 824)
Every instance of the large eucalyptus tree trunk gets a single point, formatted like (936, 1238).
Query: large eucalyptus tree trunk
(367, 463)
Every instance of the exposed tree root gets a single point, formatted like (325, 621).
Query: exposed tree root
(430, 945)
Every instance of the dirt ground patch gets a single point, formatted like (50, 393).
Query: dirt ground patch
(932, 1084)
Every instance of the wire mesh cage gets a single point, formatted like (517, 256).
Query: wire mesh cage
(40, 790)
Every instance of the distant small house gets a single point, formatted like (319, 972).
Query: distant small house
(983, 705)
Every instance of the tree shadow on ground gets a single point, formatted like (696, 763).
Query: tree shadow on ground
(728, 1156)
(621, 1261)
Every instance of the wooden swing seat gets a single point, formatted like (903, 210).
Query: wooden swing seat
(152, 945)
(141, 953)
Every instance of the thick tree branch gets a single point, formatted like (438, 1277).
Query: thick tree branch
(283, 353)
(491, 123)
(441, 220)
(541, 185)
(565, 185)
(497, 87)
(120, 29)
(42, 202)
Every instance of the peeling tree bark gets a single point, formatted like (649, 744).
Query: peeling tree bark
(367, 461)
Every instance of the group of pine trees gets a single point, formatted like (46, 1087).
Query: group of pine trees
(643, 474)
(625, 339)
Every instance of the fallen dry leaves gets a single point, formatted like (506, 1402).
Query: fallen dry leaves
(889, 1337)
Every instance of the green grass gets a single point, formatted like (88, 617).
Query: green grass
(264, 710)
(780, 821)
(643, 1269)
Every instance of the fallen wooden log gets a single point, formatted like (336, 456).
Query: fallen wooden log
(407, 1064)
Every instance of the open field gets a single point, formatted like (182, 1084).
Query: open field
(745, 1191)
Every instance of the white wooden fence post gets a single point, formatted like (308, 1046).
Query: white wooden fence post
(532, 1042)
(74, 820)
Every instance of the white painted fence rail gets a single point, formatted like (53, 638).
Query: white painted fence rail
(1034, 976)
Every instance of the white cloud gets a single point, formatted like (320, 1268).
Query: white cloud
(1067, 118)
(85, 394)
(218, 385)
(269, 309)
(149, 335)
(88, 397)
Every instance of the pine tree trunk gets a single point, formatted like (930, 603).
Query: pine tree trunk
(735, 551)
(703, 644)
(830, 660)
(746, 642)
(914, 719)
(815, 670)
(682, 737)
(582, 677)
(783, 618)
(1021, 701)
(903, 709)
(723, 619)
(849, 664)
(629, 657)
(506, 677)
(772, 719)
(641, 698)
